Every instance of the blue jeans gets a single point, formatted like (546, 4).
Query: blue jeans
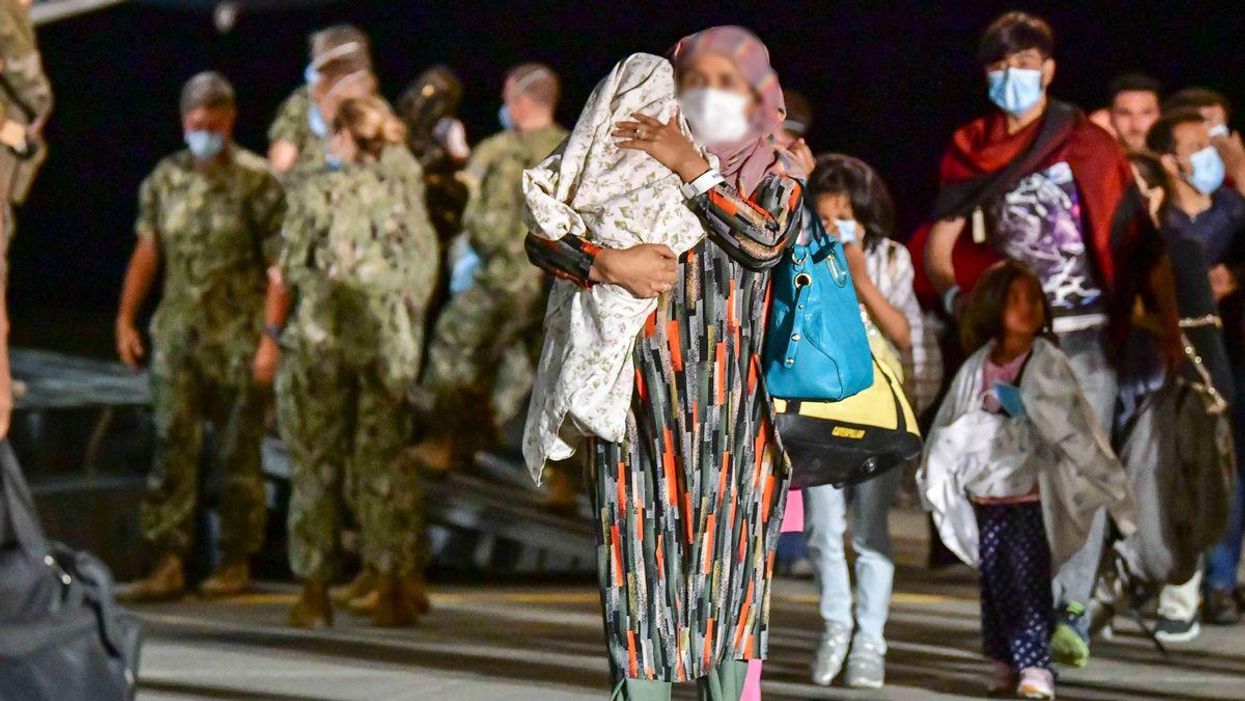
(1223, 560)
(825, 523)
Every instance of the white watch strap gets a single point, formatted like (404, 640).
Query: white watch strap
(703, 183)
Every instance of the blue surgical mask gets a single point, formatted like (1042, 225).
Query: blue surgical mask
(503, 116)
(205, 145)
(845, 230)
(315, 121)
(1015, 90)
(311, 76)
(1207, 175)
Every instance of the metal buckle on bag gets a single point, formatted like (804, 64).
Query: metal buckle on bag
(836, 273)
(803, 280)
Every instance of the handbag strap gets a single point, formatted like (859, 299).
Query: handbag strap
(19, 522)
(901, 416)
(797, 318)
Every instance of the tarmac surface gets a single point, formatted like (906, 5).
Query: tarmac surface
(543, 642)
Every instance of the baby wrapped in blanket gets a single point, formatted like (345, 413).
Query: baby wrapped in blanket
(616, 198)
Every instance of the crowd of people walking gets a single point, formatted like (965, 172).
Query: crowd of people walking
(1068, 325)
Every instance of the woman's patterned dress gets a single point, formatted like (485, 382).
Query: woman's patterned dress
(689, 505)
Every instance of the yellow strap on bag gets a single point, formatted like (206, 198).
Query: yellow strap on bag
(880, 406)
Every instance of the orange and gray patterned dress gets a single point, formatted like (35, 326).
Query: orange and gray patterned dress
(689, 505)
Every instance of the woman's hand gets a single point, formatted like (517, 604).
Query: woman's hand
(803, 155)
(645, 271)
(664, 142)
(1222, 282)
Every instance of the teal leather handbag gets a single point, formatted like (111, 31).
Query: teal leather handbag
(817, 348)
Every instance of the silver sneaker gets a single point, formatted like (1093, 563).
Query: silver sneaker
(866, 666)
(830, 653)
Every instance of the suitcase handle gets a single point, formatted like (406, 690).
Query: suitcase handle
(17, 508)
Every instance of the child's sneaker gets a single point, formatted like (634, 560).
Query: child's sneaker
(1036, 683)
(1070, 642)
(1003, 679)
(1175, 630)
(831, 653)
(866, 666)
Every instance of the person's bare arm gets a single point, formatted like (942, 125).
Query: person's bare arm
(939, 262)
(1232, 152)
(276, 312)
(890, 321)
(281, 156)
(144, 263)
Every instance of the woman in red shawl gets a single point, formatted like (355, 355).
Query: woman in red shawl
(689, 505)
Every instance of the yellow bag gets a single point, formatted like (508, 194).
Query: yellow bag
(852, 440)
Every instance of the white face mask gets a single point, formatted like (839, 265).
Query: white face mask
(715, 116)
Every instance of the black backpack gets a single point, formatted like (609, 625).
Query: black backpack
(62, 636)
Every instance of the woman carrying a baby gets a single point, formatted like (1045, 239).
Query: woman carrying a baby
(660, 226)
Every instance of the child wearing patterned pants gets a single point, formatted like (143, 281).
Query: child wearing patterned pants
(1014, 471)
(1016, 600)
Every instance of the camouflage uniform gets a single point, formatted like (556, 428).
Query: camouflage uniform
(504, 307)
(217, 231)
(360, 257)
(293, 124)
(27, 97)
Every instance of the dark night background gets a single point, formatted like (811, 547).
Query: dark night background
(888, 84)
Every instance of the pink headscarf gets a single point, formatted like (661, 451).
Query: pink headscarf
(744, 164)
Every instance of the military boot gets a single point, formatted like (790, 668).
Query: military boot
(394, 608)
(360, 586)
(416, 589)
(364, 603)
(313, 608)
(233, 577)
(166, 582)
(417, 592)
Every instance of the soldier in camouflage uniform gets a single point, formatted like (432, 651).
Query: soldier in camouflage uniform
(25, 105)
(211, 215)
(504, 306)
(297, 135)
(359, 264)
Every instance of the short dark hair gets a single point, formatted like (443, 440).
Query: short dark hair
(1196, 98)
(1015, 32)
(837, 174)
(1133, 82)
(983, 318)
(537, 81)
(1161, 139)
(209, 90)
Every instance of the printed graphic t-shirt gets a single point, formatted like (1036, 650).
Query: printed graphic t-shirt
(1039, 223)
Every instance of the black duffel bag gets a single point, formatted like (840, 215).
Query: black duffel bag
(62, 636)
